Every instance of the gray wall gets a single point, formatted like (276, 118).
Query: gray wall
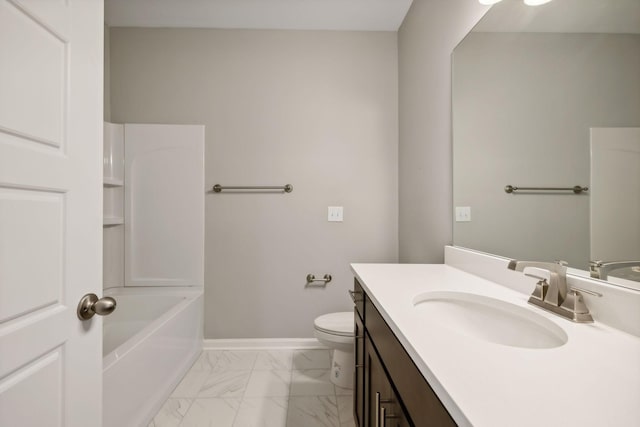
(524, 103)
(314, 109)
(426, 39)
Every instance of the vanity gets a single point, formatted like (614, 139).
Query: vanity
(379, 385)
(438, 346)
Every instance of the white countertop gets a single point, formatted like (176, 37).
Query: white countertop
(592, 380)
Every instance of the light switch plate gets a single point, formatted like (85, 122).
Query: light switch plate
(335, 214)
(463, 213)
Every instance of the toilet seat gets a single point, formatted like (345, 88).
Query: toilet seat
(340, 324)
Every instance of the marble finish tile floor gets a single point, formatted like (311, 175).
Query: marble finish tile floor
(279, 388)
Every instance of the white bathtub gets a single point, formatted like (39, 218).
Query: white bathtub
(150, 341)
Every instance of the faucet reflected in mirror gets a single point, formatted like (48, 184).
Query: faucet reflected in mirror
(601, 269)
(551, 292)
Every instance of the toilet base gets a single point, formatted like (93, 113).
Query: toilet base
(342, 368)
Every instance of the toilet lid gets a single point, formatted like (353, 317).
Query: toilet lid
(336, 323)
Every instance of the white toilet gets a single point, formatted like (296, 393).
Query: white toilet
(335, 330)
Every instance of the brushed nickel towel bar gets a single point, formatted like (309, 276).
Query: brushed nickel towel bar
(311, 278)
(577, 189)
(286, 188)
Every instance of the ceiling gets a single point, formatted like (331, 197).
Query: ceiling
(355, 15)
(564, 16)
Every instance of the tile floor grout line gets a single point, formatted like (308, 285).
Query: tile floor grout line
(273, 364)
(191, 402)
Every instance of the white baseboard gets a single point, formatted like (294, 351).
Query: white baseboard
(262, 344)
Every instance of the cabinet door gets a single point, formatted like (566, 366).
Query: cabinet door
(358, 395)
(377, 386)
(417, 397)
(383, 406)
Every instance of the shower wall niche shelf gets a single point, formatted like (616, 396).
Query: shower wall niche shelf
(112, 182)
(113, 155)
(113, 206)
(113, 174)
(107, 221)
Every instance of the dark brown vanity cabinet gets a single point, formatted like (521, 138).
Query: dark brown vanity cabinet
(389, 390)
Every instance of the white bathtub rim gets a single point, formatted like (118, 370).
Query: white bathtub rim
(132, 343)
(159, 290)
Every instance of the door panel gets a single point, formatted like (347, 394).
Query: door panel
(31, 226)
(50, 211)
(40, 381)
(34, 88)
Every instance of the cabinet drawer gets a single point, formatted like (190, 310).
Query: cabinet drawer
(421, 403)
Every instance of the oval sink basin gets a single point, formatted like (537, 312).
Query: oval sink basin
(489, 319)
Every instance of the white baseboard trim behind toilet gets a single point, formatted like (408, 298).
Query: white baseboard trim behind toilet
(262, 344)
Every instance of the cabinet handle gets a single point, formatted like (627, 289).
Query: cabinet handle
(360, 366)
(353, 295)
(379, 410)
(384, 416)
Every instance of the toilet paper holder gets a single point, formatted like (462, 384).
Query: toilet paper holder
(312, 279)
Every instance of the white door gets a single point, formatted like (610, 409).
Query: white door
(51, 59)
(615, 194)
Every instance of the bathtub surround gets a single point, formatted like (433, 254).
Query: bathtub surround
(430, 31)
(153, 265)
(316, 109)
(164, 205)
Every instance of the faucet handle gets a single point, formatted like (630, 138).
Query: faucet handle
(585, 291)
(541, 274)
(541, 289)
(575, 306)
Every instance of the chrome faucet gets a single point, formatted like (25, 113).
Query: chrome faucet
(601, 269)
(554, 295)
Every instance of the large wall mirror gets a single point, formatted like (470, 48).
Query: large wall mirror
(545, 98)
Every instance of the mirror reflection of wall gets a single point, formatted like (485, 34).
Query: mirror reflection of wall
(615, 203)
(523, 106)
